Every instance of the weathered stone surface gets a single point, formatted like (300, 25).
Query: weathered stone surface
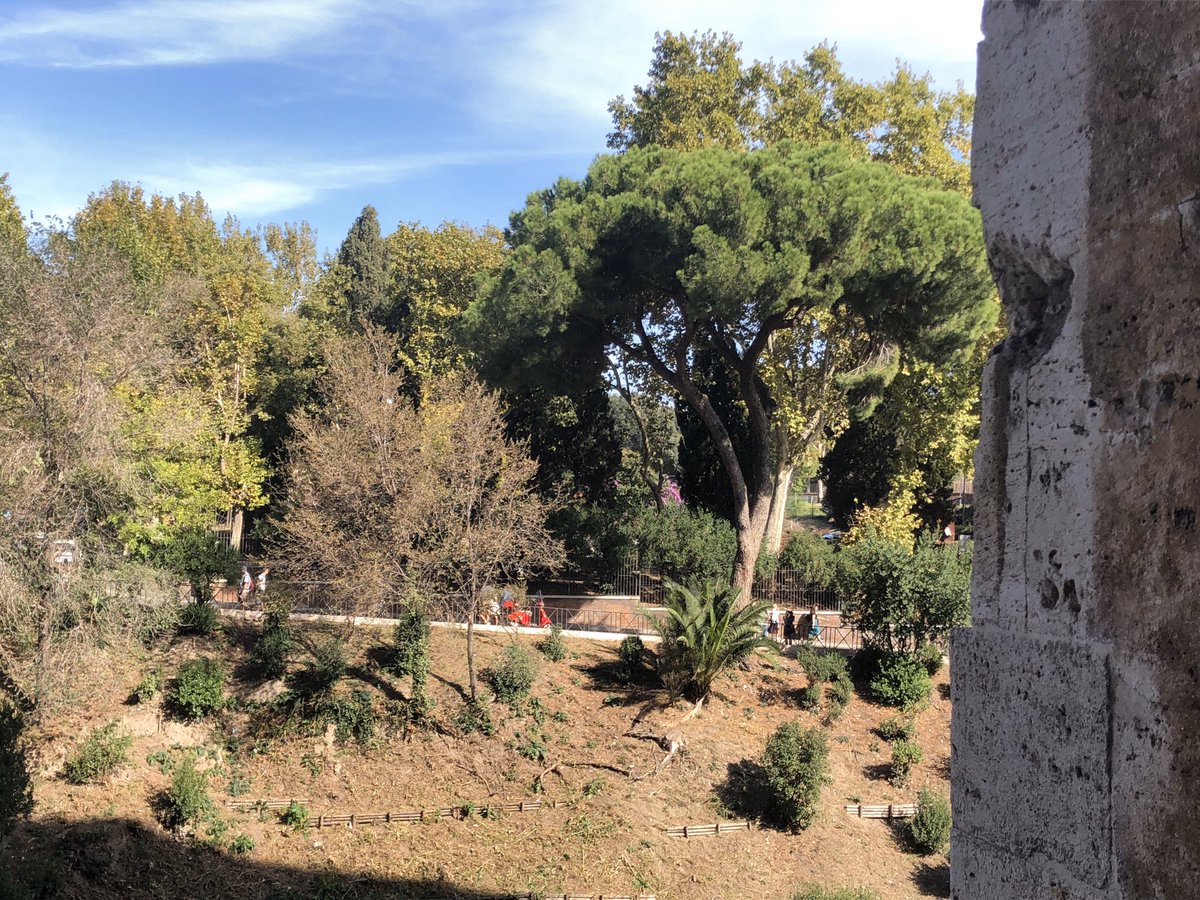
(1081, 683)
(1029, 745)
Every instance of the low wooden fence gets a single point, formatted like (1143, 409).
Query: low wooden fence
(462, 811)
(688, 831)
(883, 811)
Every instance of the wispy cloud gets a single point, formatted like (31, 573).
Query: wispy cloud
(196, 32)
(569, 59)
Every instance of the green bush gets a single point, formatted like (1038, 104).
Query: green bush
(475, 716)
(186, 801)
(931, 658)
(552, 646)
(198, 617)
(894, 728)
(930, 827)
(354, 717)
(900, 680)
(241, 844)
(796, 765)
(148, 686)
(632, 654)
(270, 651)
(704, 633)
(513, 678)
(841, 691)
(810, 697)
(818, 666)
(326, 668)
(812, 556)
(295, 816)
(905, 755)
(816, 892)
(683, 542)
(199, 688)
(411, 657)
(99, 755)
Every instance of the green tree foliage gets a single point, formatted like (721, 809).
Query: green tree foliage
(411, 658)
(656, 250)
(812, 557)
(796, 766)
(12, 224)
(432, 277)
(929, 829)
(362, 260)
(703, 633)
(700, 94)
(195, 555)
(903, 598)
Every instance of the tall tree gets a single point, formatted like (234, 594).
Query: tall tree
(657, 250)
(700, 94)
(432, 279)
(363, 259)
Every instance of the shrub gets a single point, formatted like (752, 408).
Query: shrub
(354, 717)
(931, 658)
(271, 650)
(816, 892)
(796, 765)
(198, 617)
(186, 801)
(475, 716)
(147, 687)
(895, 728)
(411, 657)
(842, 691)
(199, 688)
(683, 543)
(901, 681)
(930, 827)
(810, 697)
(552, 646)
(812, 556)
(905, 755)
(295, 816)
(324, 670)
(513, 678)
(632, 653)
(241, 844)
(704, 633)
(819, 666)
(99, 755)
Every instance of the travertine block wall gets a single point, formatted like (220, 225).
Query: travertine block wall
(1076, 732)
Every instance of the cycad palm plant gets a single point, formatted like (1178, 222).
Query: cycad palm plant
(703, 633)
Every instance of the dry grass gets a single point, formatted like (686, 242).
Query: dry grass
(606, 839)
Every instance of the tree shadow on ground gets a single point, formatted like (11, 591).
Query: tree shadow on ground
(743, 792)
(106, 859)
(878, 771)
(932, 881)
(458, 688)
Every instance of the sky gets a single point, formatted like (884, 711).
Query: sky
(289, 110)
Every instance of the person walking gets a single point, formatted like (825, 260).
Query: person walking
(789, 628)
(246, 588)
(260, 584)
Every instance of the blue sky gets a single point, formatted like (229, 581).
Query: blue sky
(281, 110)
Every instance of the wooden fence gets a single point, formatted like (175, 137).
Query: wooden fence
(883, 811)
(702, 830)
(462, 811)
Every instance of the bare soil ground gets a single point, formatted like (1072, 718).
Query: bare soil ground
(607, 836)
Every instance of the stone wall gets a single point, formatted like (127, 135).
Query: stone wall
(1076, 732)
